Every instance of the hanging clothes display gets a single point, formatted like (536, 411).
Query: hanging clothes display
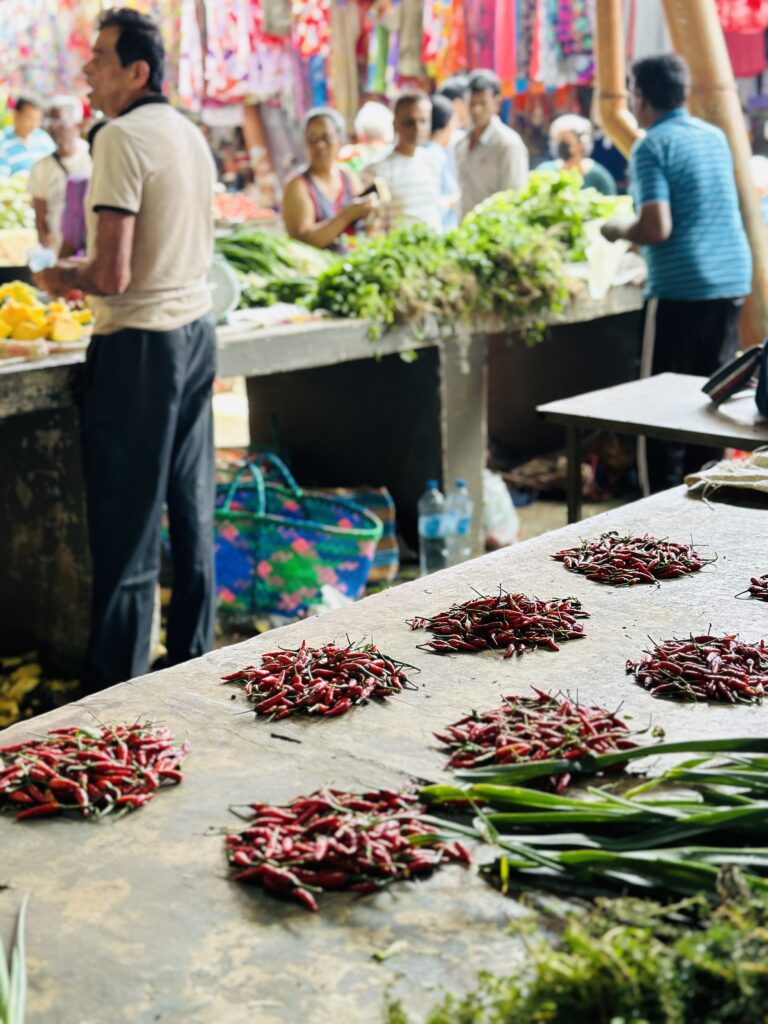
(271, 68)
(747, 53)
(227, 55)
(409, 62)
(743, 15)
(277, 18)
(480, 17)
(505, 49)
(311, 31)
(345, 30)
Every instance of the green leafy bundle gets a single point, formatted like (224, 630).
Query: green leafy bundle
(273, 268)
(408, 274)
(557, 203)
(15, 206)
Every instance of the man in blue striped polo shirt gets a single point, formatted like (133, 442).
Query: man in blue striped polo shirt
(689, 226)
(24, 143)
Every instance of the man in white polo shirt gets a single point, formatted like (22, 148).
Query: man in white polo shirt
(147, 430)
(409, 172)
(491, 157)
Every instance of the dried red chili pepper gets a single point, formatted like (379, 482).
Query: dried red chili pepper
(623, 561)
(333, 840)
(92, 771)
(705, 668)
(536, 728)
(509, 622)
(324, 681)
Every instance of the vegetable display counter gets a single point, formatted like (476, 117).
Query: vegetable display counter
(134, 918)
(350, 409)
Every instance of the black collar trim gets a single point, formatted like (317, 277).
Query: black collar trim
(155, 98)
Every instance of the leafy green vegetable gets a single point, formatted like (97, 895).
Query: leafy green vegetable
(273, 268)
(15, 206)
(695, 962)
(557, 203)
(505, 260)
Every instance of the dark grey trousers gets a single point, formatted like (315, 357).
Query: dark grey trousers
(148, 440)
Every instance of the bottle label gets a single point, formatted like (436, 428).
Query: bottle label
(463, 525)
(431, 527)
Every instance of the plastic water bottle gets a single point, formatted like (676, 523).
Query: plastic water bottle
(432, 550)
(458, 513)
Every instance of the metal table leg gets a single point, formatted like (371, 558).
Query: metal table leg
(573, 480)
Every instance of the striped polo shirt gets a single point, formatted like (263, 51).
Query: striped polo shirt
(19, 154)
(687, 163)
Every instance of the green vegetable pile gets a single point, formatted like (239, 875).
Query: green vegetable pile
(506, 260)
(15, 208)
(699, 961)
(558, 204)
(273, 268)
(711, 812)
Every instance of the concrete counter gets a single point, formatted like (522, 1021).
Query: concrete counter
(134, 920)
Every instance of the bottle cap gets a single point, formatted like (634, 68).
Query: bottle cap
(461, 482)
(431, 485)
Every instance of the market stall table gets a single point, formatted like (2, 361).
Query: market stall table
(134, 919)
(668, 406)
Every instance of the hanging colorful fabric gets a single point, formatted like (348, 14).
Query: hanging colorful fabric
(227, 54)
(312, 27)
(743, 15)
(480, 16)
(318, 80)
(277, 18)
(345, 29)
(505, 56)
(409, 63)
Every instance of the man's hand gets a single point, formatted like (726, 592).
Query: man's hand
(613, 230)
(59, 279)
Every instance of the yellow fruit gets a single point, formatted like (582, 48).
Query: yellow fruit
(64, 328)
(28, 331)
(57, 307)
(83, 316)
(5, 329)
(14, 312)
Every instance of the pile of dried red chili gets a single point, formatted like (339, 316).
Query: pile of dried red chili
(758, 587)
(705, 668)
(624, 561)
(325, 680)
(92, 771)
(336, 840)
(510, 622)
(539, 728)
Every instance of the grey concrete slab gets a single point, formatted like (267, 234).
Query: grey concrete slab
(135, 921)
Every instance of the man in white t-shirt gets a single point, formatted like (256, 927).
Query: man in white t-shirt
(409, 172)
(147, 427)
(48, 177)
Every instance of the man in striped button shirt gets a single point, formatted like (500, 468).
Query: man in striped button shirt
(25, 142)
(689, 226)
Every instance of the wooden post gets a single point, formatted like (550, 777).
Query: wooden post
(616, 120)
(696, 34)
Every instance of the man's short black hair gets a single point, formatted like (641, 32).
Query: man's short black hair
(442, 112)
(484, 79)
(139, 39)
(663, 80)
(454, 88)
(407, 98)
(27, 101)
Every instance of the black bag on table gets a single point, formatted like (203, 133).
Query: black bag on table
(749, 369)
